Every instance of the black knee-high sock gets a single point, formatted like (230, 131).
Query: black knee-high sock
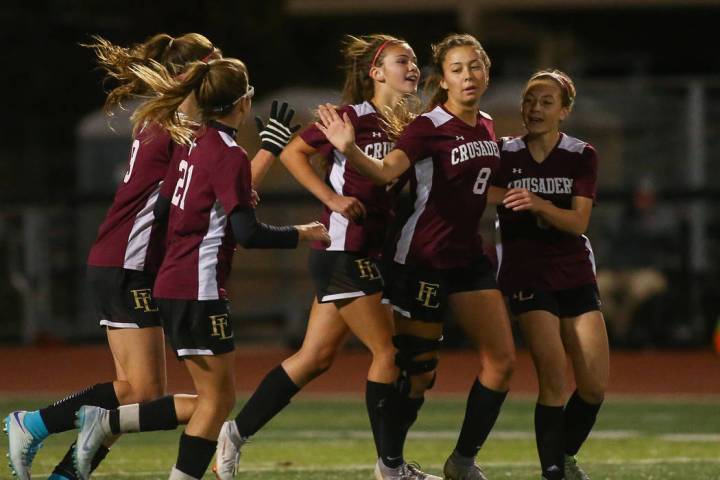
(388, 411)
(549, 432)
(66, 468)
(151, 416)
(194, 455)
(272, 395)
(409, 408)
(580, 417)
(60, 416)
(481, 411)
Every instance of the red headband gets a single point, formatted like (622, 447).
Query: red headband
(377, 54)
(207, 57)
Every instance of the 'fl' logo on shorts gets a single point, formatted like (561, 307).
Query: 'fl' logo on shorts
(143, 300)
(220, 325)
(367, 269)
(427, 294)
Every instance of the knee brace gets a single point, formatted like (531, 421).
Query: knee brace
(409, 347)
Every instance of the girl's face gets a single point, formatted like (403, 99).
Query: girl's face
(542, 109)
(399, 70)
(465, 76)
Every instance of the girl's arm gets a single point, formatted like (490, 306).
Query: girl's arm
(574, 220)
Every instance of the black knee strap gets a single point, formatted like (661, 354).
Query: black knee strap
(409, 347)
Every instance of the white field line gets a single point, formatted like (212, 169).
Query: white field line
(497, 434)
(368, 467)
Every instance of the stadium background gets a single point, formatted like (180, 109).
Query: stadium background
(648, 78)
(649, 99)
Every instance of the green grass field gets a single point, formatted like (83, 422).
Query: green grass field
(323, 439)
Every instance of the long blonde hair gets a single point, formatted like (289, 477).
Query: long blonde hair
(361, 53)
(216, 85)
(172, 53)
(433, 90)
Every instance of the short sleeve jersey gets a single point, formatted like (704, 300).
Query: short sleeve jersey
(128, 237)
(534, 254)
(368, 236)
(210, 181)
(452, 163)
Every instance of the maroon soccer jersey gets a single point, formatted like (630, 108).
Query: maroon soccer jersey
(452, 163)
(128, 238)
(211, 181)
(534, 254)
(368, 236)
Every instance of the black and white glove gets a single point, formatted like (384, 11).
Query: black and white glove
(277, 133)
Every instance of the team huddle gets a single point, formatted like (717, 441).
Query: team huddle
(163, 254)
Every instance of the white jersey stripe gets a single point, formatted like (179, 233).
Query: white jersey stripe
(338, 224)
(139, 238)
(424, 176)
(208, 254)
(591, 254)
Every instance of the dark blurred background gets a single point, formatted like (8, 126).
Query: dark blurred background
(648, 79)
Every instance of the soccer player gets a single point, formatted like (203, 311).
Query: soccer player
(208, 202)
(380, 73)
(123, 261)
(547, 268)
(451, 154)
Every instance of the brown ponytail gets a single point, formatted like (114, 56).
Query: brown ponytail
(172, 53)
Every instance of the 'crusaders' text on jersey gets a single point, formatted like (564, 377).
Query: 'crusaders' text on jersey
(204, 187)
(535, 254)
(452, 163)
(367, 236)
(128, 237)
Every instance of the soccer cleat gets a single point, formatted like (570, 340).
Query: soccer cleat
(92, 433)
(22, 445)
(454, 470)
(406, 471)
(227, 454)
(572, 470)
(57, 476)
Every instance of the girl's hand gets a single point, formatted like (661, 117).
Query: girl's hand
(313, 231)
(349, 207)
(519, 199)
(338, 131)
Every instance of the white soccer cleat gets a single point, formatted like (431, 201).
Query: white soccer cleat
(406, 471)
(227, 454)
(22, 446)
(92, 433)
(573, 470)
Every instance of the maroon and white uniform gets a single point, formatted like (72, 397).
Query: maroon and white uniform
(366, 237)
(452, 163)
(128, 238)
(534, 254)
(204, 188)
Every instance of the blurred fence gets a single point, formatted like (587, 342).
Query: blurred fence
(659, 144)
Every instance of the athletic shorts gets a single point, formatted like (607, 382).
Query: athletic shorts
(561, 303)
(341, 275)
(197, 327)
(422, 293)
(123, 298)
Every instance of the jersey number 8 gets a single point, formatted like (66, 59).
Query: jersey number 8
(482, 181)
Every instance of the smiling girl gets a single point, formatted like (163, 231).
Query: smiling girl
(548, 270)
